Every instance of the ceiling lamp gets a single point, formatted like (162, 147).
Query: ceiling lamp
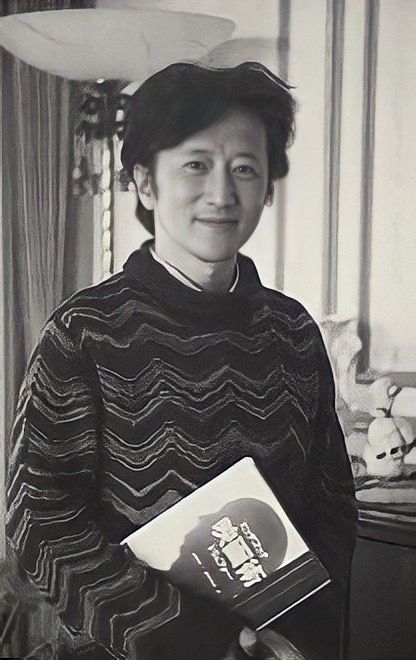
(88, 44)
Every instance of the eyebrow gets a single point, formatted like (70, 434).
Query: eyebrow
(205, 152)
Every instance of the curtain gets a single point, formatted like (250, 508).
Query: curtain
(46, 237)
(37, 149)
(38, 214)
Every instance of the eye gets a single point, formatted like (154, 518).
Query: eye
(246, 171)
(196, 165)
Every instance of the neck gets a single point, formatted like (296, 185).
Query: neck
(211, 276)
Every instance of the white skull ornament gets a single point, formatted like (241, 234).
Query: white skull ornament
(388, 441)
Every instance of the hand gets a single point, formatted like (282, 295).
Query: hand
(244, 647)
(272, 646)
(263, 645)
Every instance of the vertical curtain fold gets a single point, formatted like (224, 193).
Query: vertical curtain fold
(37, 148)
(37, 159)
(46, 246)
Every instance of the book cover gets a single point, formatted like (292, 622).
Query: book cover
(232, 541)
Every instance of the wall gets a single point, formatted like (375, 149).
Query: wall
(376, 235)
(303, 253)
(393, 263)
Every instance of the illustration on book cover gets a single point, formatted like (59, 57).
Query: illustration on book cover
(233, 549)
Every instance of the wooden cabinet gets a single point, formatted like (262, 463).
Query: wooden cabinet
(383, 591)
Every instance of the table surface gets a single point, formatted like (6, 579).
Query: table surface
(391, 523)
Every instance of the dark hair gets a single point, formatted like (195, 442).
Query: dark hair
(185, 98)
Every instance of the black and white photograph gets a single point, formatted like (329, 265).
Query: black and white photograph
(207, 330)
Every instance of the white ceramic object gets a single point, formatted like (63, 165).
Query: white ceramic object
(388, 438)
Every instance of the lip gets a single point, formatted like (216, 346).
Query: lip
(218, 222)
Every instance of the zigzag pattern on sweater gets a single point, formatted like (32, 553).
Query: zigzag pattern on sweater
(126, 408)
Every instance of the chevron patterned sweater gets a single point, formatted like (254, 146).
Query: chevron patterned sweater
(140, 390)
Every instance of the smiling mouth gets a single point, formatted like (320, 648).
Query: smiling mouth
(218, 222)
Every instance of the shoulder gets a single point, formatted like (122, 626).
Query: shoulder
(288, 311)
(274, 303)
(292, 326)
(94, 307)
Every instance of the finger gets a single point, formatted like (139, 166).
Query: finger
(277, 647)
(248, 641)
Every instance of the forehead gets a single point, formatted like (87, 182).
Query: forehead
(237, 131)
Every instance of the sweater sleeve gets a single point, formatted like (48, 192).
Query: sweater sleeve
(102, 593)
(330, 492)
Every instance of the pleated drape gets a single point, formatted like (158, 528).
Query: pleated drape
(36, 162)
(38, 212)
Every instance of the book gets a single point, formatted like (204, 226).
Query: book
(231, 540)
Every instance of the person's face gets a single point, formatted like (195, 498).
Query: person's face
(210, 189)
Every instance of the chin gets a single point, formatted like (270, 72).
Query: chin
(215, 254)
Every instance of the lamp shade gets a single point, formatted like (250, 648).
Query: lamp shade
(85, 44)
(235, 51)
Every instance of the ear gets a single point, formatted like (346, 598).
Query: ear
(269, 195)
(144, 186)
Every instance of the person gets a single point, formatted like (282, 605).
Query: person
(149, 384)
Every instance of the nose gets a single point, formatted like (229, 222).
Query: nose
(220, 190)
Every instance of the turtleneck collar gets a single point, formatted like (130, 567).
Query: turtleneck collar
(184, 301)
(182, 277)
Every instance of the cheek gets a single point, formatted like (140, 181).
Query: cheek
(254, 196)
(172, 199)
(185, 192)
(250, 224)
(254, 209)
